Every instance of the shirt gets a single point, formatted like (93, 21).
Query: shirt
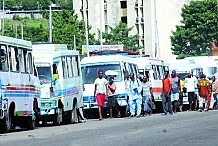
(100, 85)
(135, 94)
(190, 84)
(182, 85)
(175, 85)
(146, 88)
(166, 84)
(203, 86)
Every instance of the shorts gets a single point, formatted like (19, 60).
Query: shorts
(191, 97)
(100, 99)
(112, 101)
(175, 97)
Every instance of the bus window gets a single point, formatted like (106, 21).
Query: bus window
(21, 60)
(77, 62)
(135, 68)
(13, 55)
(130, 68)
(29, 62)
(64, 67)
(3, 58)
(75, 65)
(160, 72)
(154, 71)
(69, 66)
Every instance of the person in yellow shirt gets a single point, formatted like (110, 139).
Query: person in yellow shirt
(182, 85)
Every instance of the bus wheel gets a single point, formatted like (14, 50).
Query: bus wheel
(73, 115)
(57, 117)
(5, 124)
(30, 123)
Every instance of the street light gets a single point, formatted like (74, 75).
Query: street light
(38, 8)
(50, 22)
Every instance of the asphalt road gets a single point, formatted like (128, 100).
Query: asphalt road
(187, 128)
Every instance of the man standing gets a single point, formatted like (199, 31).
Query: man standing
(147, 96)
(203, 86)
(175, 81)
(112, 100)
(166, 94)
(190, 86)
(135, 97)
(100, 92)
(214, 92)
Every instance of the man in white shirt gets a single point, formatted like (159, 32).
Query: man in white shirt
(100, 92)
(190, 83)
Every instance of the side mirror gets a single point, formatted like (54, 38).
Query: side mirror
(56, 77)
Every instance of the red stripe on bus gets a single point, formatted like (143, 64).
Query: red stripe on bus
(156, 90)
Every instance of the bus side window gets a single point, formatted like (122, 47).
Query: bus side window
(20, 56)
(3, 58)
(55, 71)
(64, 67)
(75, 65)
(154, 72)
(13, 55)
(70, 67)
(29, 63)
(78, 65)
(160, 72)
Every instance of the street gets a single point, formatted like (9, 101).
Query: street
(186, 128)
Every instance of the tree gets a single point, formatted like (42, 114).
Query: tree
(66, 25)
(65, 4)
(197, 30)
(120, 36)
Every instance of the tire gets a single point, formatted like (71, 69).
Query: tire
(57, 117)
(5, 124)
(30, 123)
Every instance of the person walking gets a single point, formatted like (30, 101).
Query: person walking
(112, 100)
(135, 98)
(190, 86)
(147, 96)
(166, 99)
(175, 88)
(100, 92)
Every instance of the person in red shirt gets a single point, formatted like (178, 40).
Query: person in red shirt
(204, 93)
(166, 99)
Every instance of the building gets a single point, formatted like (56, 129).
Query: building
(152, 20)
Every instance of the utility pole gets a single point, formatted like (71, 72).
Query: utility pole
(3, 21)
(50, 24)
(21, 31)
(101, 22)
(85, 19)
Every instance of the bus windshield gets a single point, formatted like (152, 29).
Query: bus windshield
(44, 74)
(90, 72)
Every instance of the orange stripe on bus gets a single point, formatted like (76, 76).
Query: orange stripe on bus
(156, 90)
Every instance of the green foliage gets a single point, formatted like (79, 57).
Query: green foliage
(26, 4)
(66, 25)
(65, 4)
(199, 27)
(120, 36)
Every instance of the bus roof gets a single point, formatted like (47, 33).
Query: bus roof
(205, 61)
(47, 52)
(16, 42)
(106, 58)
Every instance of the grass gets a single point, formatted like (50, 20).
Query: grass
(30, 22)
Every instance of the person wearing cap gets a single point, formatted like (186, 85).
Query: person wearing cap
(175, 88)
